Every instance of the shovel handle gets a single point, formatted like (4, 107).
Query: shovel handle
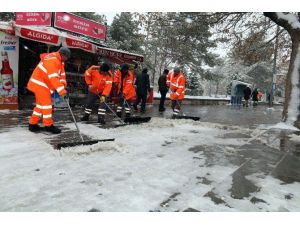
(114, 113)
(67, 101)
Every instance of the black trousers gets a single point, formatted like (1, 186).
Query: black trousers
(91, 99)
(162, 100)
(124, 103)
(176, 106)
(141, 97)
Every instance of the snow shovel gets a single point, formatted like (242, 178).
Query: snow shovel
(135, 119)
(82, 142)
(122, 122)
(195, 118)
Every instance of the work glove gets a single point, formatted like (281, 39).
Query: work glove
(92, 89)
(102, 99)
(63, 94)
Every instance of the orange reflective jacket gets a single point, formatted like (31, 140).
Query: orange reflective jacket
(101, 83)
(128, 84)
(49, 74)
(177, 85)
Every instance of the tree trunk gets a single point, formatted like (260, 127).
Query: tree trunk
(217, 89)
(288, 84)
(291, 104)
(289, 87)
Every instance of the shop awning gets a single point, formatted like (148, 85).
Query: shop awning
(52, 36)
(47, 35)
(71, 41)
(118, 56)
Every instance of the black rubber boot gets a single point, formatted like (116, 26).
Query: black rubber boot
(85, 117)
(52, 129)
(101, 120)
(119, 114)
(127, 115)
(174, 116)
(34, 127)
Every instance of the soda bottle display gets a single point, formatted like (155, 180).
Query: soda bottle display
(6, 73)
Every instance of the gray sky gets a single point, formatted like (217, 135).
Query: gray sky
(109, 16)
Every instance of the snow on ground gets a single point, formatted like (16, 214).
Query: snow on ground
(277, 201)
(5, 111)
(280, 126)
(219, 97)
(145, 166)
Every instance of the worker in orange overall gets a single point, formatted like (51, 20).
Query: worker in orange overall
(47, 77)
(124, 80)
(176, 82)
(99, 81)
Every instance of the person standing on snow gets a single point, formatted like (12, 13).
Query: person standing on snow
(142, 83)
(124, 80)
(99, 81)
(47, 77)
(247, 94)
(176, 82)
(163, 89)
(254, 97)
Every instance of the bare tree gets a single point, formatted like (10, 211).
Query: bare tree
(290, 22)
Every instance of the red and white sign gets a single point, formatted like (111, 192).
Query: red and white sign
(71, 41)
(46, 35)
(33, 18)
(70, 22)
(119, 57)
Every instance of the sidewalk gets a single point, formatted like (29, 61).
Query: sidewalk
(229, 161)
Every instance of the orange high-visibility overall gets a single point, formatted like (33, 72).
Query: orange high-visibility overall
(128, 84)
(101, 84)
(177, 85)
(48, 76)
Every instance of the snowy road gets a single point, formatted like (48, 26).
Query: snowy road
(164, 165)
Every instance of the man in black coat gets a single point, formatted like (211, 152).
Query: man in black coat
(254, 97)
(163, 89)
(247, 94)
(142, 84)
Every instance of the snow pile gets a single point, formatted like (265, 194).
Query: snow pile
(164, 165)
(282, 199)
(278, 126)
(283, 126)
(5, 111)
(107, 147)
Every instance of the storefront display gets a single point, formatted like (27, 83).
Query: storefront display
(34, 40)
(9, 48)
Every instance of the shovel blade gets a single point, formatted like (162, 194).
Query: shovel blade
(72, 144)
(195, 118)
(137, 120)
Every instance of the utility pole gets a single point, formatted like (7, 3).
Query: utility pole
(273, 85)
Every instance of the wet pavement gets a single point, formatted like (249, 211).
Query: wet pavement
(267, 152)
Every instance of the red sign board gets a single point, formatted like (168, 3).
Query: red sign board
(33, 18)
(119, 56)
(70, 22)
(40, 36)
(73, 43)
